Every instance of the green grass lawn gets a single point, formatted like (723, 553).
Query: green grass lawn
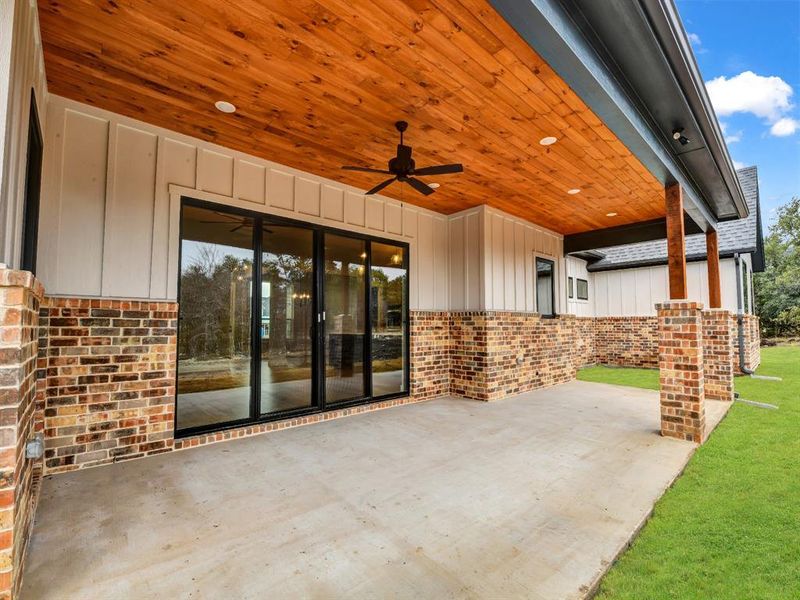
(730, 526)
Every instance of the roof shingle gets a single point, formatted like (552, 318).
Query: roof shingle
(740, 236)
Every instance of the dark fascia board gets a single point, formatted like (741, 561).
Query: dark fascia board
(656, 262)
(549, 28)
(668, 27)
(620, 235)
(759, 260)
(589, 256)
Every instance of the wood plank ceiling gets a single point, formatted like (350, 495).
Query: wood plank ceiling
(319, 83)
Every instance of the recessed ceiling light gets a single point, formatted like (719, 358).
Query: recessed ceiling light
(611, 214)
(547, 141)
(434, 185)
(224, 106)
(574, 191)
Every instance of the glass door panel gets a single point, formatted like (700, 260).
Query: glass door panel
(345, 315)
(287, 318)
(214, 341)
(388, 281)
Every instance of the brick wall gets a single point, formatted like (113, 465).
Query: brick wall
(430, 354)
(718, 355)
(680, 351)
(20, 295)
(752, 342)
(107, 367)
(496, 354)
(106, 380)
(585, 348)
(627, 341)
(469, 355)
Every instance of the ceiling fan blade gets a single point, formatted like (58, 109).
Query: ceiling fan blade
(366, 170)
(420, 186)
(439, 170)
(382, 185)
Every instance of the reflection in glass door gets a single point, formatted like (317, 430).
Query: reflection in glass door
(279, 319)
(345, 315)
(389, 275)
(287, 318)
(214, 342)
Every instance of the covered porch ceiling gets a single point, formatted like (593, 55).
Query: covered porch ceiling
(319, 83)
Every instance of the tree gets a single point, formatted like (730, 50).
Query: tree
(778, 287)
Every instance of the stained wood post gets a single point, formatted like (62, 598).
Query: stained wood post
(676, 242)
(712, 253)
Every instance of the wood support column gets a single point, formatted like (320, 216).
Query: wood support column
(712, 253)
(676, 242)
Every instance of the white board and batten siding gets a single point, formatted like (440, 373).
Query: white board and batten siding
(21, 71)
(629, 292)
(512, 245)
(576, 268)
(111, 197)
(492, 260)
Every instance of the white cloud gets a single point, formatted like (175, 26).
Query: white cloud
(785, 126)
(730, 137)
(765, 97)
(696, 43)
(737, 164)
(768, 98)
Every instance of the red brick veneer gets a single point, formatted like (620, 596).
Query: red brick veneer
(718, 355)
(496, 354)
(752, 341)
(627, 341)
(20, 296)
(680, 351)
(107, 380)
(430, 354)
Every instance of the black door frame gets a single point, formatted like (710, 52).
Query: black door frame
(318, 404)
(33, 189)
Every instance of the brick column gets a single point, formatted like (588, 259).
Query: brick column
(718, 354)
(680, 361)
(20, 295)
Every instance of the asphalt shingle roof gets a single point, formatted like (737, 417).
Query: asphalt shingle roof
(734, 236)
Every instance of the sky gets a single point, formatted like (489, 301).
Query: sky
(749, 55)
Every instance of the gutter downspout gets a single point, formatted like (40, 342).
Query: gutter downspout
(740, 315)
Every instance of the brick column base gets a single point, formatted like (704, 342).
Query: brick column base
(680, 363)
(20, 295)
(718, 355)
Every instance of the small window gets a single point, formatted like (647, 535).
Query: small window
(570, 291)
(545, 287)
(583, 289)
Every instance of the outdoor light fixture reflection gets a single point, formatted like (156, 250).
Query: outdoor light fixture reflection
(678, 136)
(396, 259)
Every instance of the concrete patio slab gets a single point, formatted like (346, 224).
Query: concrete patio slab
(529, 497)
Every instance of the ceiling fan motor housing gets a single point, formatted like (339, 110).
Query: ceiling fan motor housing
(402, 164)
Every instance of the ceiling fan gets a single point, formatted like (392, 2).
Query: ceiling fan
(403, 168)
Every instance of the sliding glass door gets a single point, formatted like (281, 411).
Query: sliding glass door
(216, 301)
(345, 318)
(388, 309)
(287, 318)
(280, 318)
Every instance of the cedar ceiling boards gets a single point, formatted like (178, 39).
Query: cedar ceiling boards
(318, 84)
